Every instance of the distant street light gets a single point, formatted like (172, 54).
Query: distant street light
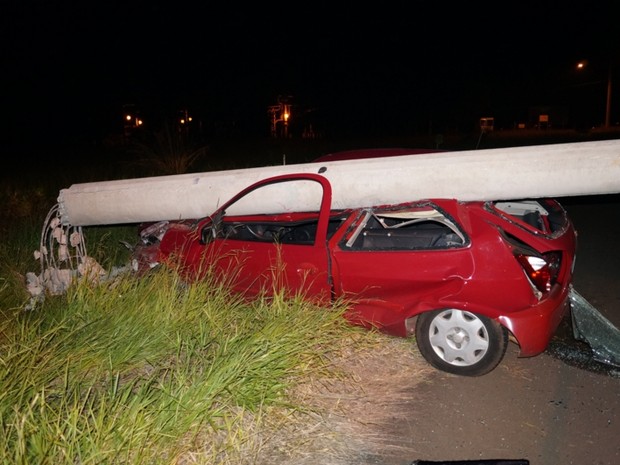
(582, 65)
(280, 113)
(131, 119)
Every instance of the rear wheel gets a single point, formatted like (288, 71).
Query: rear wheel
(461, 342)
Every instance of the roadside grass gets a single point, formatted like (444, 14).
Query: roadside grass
(157, 370)
(148, 370)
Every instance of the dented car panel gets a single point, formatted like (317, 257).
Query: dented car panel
(460, 275)
(250, 251)
(475, 270)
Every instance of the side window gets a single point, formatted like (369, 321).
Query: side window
(293, 196)
(285, 212)
(419, 228)
(546, 215)
(302, 232)
(276, 231)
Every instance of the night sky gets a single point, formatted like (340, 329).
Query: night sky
(70, 66)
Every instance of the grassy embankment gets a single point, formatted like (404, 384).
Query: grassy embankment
(147, 370)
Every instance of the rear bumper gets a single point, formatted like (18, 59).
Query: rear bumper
(533, 328)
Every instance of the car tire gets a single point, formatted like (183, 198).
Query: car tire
(461, 342)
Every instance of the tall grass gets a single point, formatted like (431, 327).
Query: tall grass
(154, 370)
(146, 370)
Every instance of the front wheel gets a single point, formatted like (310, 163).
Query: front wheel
(460, 342)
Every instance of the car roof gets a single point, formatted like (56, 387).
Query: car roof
(373, 153)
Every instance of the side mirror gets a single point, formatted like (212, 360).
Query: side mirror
(211, 230)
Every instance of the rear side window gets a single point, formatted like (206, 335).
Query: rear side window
(419, 228)
(545, 215)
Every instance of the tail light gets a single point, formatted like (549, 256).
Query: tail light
(542, 270)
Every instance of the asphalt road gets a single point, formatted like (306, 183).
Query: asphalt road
(597, 270)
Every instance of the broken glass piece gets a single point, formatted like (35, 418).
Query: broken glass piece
(590, 326)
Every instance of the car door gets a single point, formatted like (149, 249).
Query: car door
(393, 262)
(241, 239)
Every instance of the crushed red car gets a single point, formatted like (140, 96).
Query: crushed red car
(464, 278)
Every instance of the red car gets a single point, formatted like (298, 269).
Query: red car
(462, 277)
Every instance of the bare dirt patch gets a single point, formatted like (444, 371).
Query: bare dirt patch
(353, 414)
